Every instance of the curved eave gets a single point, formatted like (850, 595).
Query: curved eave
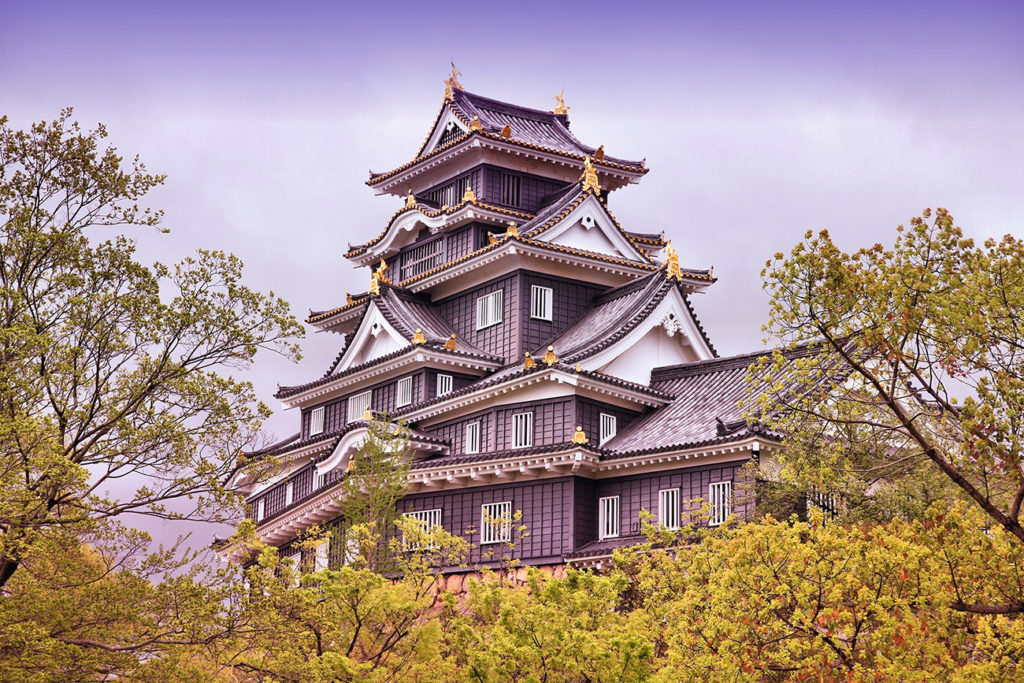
(334, 317)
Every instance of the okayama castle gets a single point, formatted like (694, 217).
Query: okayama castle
(546, 358)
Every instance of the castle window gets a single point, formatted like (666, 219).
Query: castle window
(489, 309)
(473, 437)
(323, 552)
(540, 302)
(429, 520)
(608, 517)
(450, 133)
(422, 258)
(522, 430)
(720, 497)
(496, 522)
(316, 421)
(668, 508)
(444, 384)
(404, 393)
(510, 189)
(358, 404)
(608, 427)
(289, 493)
(260, 507)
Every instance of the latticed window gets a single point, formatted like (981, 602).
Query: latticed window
(496, 522)
(444, 384)
(824, 501)
(608, 517)
(358, 404)
(473, 437)
(522, 430)
(450, 133)
(404, 394)
(489, 309)
(720, 497)
(668, 508)
(510, 189)
(323, 554)
(540, 302)
(316, 421)
(609, 424)
(428, 520)
(422, 258)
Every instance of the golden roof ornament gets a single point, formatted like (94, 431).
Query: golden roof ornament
(348, 299)
(528, 362)
(491, 239)
(580, 436)
(367, 415)
(513, 230)
(579, 368)
(450, 344)
(418, 338)
(469, 195)
(560, 108)
(506, 132)
(374, 286)
(476, 125)
(550, 358)
(672, 270)
(451, 84)
(589, 177)
(599, 153)
(410, 200)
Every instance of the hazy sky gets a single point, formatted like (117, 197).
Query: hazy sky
(759, 120)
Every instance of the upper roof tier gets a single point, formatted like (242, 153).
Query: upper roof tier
(470, 129)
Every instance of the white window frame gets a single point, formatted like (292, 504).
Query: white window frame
(522, 430)
(496, 522)
(720, 497)
(296, 558)
(357, 405)
(289, 493)
(668, 508)
(490, 309)
(609, 427)
(260, 509)
(429, 519)
(323, 555)
(608, 517)
(403, 392)
(473, 430)
(445, 384)
(541, 302)
(316, 421)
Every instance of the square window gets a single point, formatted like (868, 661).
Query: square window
(358, 405)
(522, 430)
(316, 421)
(404, 392)
(489, 309)
(668, 508)
(473, 437)
(496, 522)
(608, 517)
(720, 497)
(444, 384)
(540, 302)
(608, 427)
(429, 520)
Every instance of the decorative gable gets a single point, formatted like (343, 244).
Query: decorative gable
(374, 338)
(591, 228)
(447, 128)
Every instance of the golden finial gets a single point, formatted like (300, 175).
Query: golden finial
(469, 195)
(491, 239)
(367, 415)
(672, 269)
(374, 286)
(599, 154)
(476, 125)
(550, 358)
(450, 344)
(589, 177)
(513, 230)
(380, 273)
(451, 84)
(528, 362)
(348, 299)
(418, 338)
(410, 200)
(560, 108)
(579, 368)
(506, 132)
(580, 436)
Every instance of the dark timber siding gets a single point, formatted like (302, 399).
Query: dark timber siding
(532, 189)
(500, 339)
(570, 300)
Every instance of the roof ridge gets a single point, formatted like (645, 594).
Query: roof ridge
(670, 372)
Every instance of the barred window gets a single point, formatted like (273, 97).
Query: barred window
(489, 309)
(668, 508)
(444, 384)
(496, 522)
(404, 393)
(358, 405)
(510, 189)
(522, 430)
(428, 520)
(609, 424)
(540, 302)
(422, 258)
(720, 497)
(473, 437)
(323, 552)
(450, 133)
(824, 501)
(608, 517)
(316, 421)
(289, 493)
(260, 507)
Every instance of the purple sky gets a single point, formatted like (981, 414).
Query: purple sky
(758, 121)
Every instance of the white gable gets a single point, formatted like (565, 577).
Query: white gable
(447, 121)
(589, 227)
(374, 338)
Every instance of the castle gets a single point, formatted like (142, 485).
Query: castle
(546, 359)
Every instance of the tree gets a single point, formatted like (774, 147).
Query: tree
(111, 370)
(915, 385)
